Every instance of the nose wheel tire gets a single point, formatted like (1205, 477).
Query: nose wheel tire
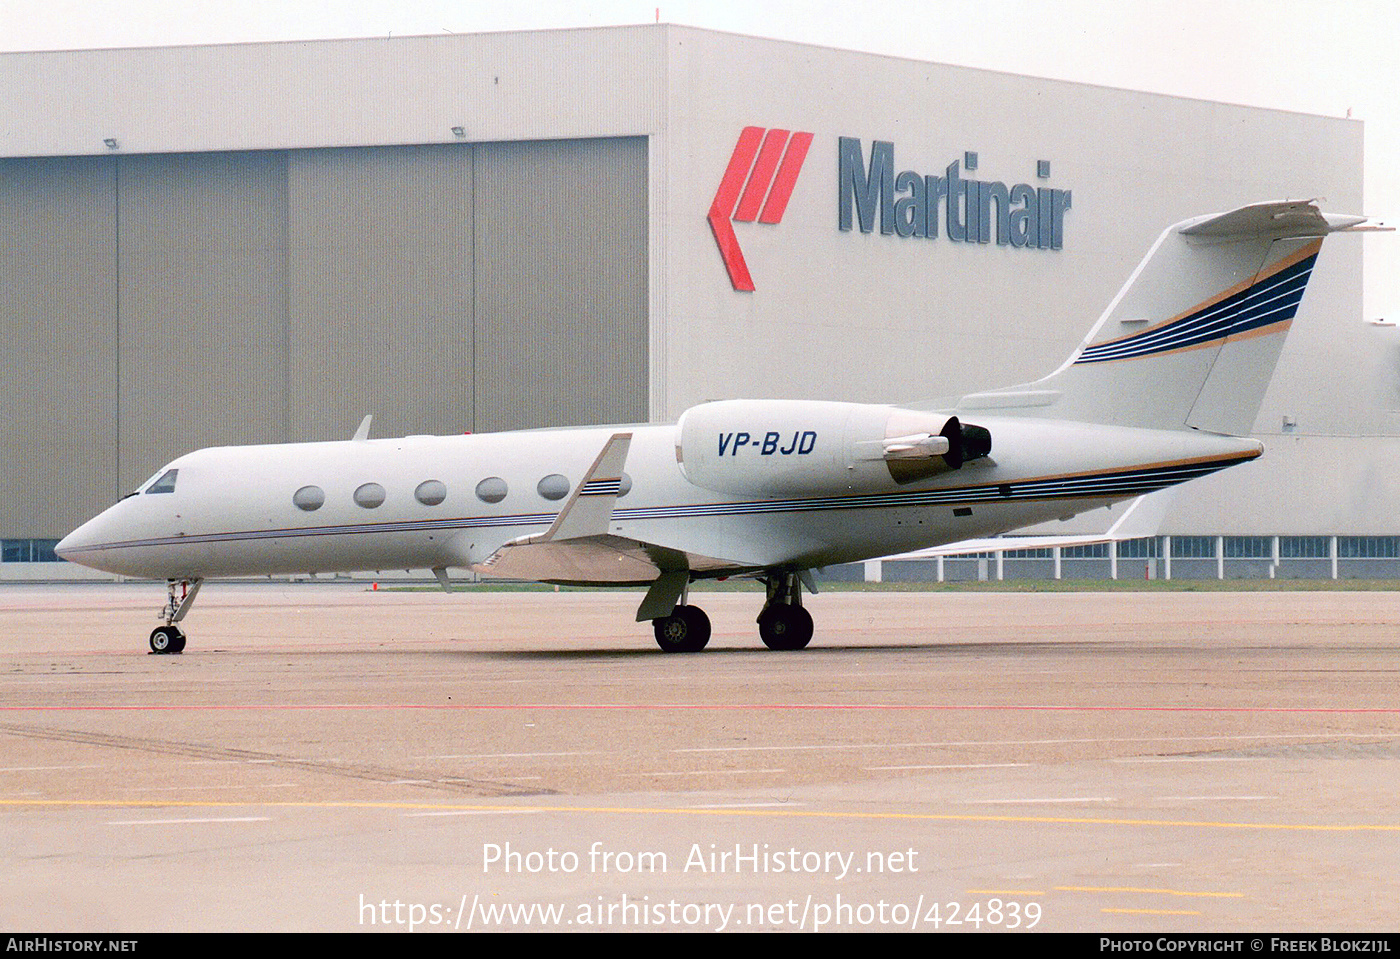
(686, 630)
(785, 626)
(166, 640)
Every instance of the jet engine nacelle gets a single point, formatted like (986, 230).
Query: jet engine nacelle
(780, 447)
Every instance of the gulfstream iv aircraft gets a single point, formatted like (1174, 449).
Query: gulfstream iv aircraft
(1161, 391)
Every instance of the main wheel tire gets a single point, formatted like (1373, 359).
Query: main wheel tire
(167, 639)
(687, 630)
(785, 626)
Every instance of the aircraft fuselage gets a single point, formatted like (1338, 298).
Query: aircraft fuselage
(232, 511)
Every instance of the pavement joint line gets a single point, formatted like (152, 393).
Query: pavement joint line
(1050, 742)
(15, 804)
(189, 822)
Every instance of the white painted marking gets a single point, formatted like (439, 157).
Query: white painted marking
(156, 789)
(948, 766)
(1067, 799)
(174, 822)
(708, 772)
(27, 769)
(585, 752)
(1190, 759)
(1211, 798)
(744, 805)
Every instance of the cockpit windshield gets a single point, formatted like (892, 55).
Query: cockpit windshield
(165, 483)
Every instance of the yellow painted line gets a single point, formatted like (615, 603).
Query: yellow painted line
(1155, 892)
(1154, 912)
(1005, 892)
(692, 811)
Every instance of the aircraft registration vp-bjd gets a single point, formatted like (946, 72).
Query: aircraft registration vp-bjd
(1161, 391)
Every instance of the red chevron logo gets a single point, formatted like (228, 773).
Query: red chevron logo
(764, 166)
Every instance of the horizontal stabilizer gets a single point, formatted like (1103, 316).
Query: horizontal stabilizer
(1192, 339)
(1275, 219)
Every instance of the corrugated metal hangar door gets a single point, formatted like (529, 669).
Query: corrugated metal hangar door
(157, 304)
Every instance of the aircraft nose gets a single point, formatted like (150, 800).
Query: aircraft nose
(65, 546)
(77, 545)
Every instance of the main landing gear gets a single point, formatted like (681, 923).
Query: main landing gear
(686, 630)
(170, 638)
(783, 623)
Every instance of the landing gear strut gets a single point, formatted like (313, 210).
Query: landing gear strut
(783, 623)
(180, 594)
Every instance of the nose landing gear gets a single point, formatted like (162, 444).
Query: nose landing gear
(170, 638)
(167, 639)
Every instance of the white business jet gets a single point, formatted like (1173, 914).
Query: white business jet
(1161, 391)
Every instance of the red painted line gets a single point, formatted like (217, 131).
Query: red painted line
(787, 178)
(722, 207)
(779, 707)
(761, 176)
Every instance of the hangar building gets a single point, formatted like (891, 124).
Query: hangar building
(264, 242)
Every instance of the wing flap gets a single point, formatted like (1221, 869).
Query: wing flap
(586, 559)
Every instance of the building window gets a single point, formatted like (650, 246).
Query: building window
(28, 551)
(1368, 547)
(1304, 547)
(1249, 547)
(1087, 551)
(1147, 547)
(1193, 547)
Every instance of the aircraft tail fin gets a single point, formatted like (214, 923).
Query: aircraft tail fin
(1192, 338)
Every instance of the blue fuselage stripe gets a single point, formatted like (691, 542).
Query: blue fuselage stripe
(1108, 485)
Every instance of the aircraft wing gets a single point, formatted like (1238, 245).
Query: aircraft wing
(603, 559)
(577, 547)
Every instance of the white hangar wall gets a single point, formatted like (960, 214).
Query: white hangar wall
(879, 317)
(591, 152)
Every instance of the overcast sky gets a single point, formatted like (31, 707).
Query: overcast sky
(1316, 56)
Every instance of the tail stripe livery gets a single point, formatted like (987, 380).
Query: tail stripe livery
(1191, 341)
(1270, 300)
